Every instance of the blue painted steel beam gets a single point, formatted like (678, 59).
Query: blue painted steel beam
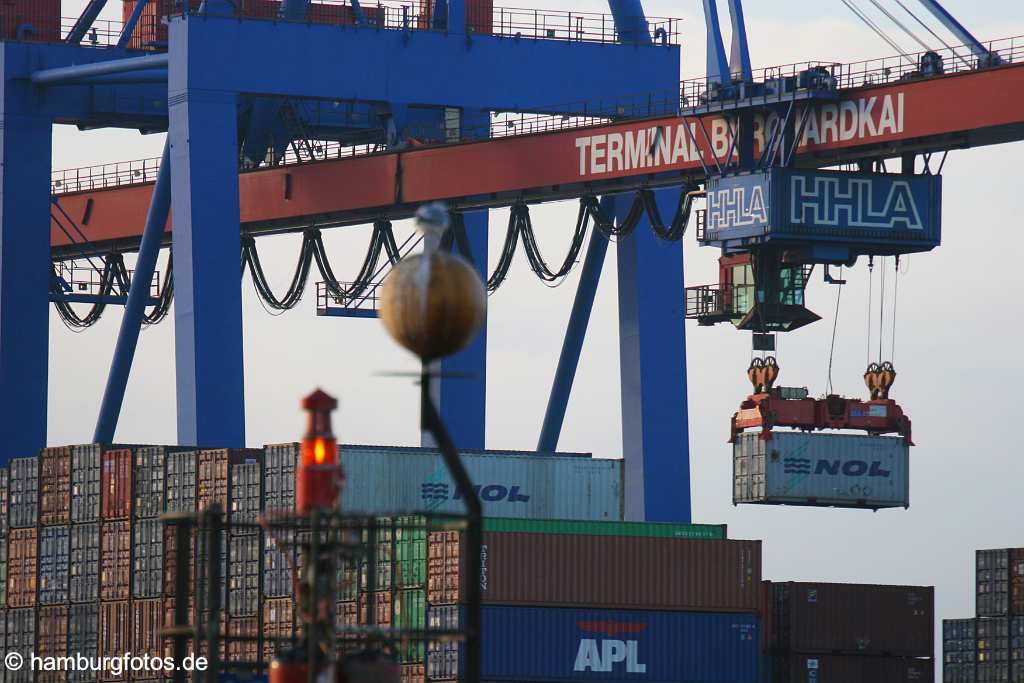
(630, 21)
(956, 28)
(576, 331)
(70, 74)
(135, 308)
(25, 153)
(505, 74)
(652, 366)
(129, 26)
(85, 20)
(206, 245)
(717, 64)
(739, 59)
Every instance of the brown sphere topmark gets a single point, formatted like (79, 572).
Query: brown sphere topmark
(433, 311)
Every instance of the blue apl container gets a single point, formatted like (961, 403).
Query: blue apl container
(562, 644)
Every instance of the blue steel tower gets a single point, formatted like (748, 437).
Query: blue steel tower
(233, 90)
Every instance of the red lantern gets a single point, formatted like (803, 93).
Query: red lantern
(319, 478)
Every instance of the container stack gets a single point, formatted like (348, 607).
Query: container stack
(849, 633)
(990, 647)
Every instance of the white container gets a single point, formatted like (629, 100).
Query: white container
(383, 480)
(824, 469)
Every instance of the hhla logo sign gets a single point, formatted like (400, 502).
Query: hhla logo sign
(606, 654)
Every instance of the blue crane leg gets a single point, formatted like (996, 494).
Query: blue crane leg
(575, 333)
(85, 21)
(652, 360)
(206, 248)
(135, 307)
(630, 21)
(462, 389)
(25, 151)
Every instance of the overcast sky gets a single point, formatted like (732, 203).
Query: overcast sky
(957, 348)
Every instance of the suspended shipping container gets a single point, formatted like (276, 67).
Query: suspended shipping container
(83, 636)
(826, 668)
(21, 638)
(618, 572)
(833, 470)
(85, 483)
(54, 564)
(84, 569)
(55, 485)
(148, 481)
(115, 560)
(23, 493)
(855, 618)
(560, 644)
(21, 568)
(147, 558)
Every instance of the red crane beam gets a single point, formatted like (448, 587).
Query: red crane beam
(926, 115)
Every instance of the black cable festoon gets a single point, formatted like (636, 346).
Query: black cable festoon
(114, 273)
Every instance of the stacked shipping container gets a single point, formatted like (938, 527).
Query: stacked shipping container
(990, 647)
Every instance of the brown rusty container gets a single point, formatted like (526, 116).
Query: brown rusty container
(55, 486)
(244, 639)
(801, 668)
(147, 620)
(855, 618)
(116, 484)
(115, 560)
(21, 568)
(171, 559)
(766, 612)
(1017, 583)
(114, 634)
(414, 673)
(52, 639)
(168, 643)
(614, 572)
(278, 625)
(213, 468)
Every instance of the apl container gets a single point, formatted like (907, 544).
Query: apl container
(54, 564)
(387, 480)
(825, 668)
(84, 570)
(614, 572)
(557, 644)
(55, 486)
(83, 636)
(855, 618)
(85, 483)
(23, 493)
(147, 558)
(830, 470)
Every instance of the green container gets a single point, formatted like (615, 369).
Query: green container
(410, 613)
(410, 552)
(590, 528)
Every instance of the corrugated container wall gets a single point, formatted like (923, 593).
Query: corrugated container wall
(52, 639)
(84, 572)
(4, 497)
(279, 495)
(246, 636)
(35, 20)
(85, 483)
(54, 564)
(117, 484)
(83, 636)
(244, 575)
(511, 485)
(993, 582)
(24, 493)
(602, 571)
(149, 477)
(803, 668)
(21, 638)
(246, 495)
(55, 486)
(147, 620)
(855, 618)
(838, 470)
(278, 625)
(115, 560)
(555, 644)
(21, 568)
(603, 528)
(147, 558)
(181, 481)
(114, 632)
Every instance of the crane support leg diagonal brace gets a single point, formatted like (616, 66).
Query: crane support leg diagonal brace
(652, 360)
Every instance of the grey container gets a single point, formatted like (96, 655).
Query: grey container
(147, 558)
(23, 493)
(83, 637)
(244, 575)
(54, 563)
(3, 576)
(279, 476)
(181, 481)
(148, 478)
(278, 569)
(385, 480)
(829, 470)
(85, 483)
(992, 582)
(245, 495)
(4, 489)
(83, 574)
(21, 638)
